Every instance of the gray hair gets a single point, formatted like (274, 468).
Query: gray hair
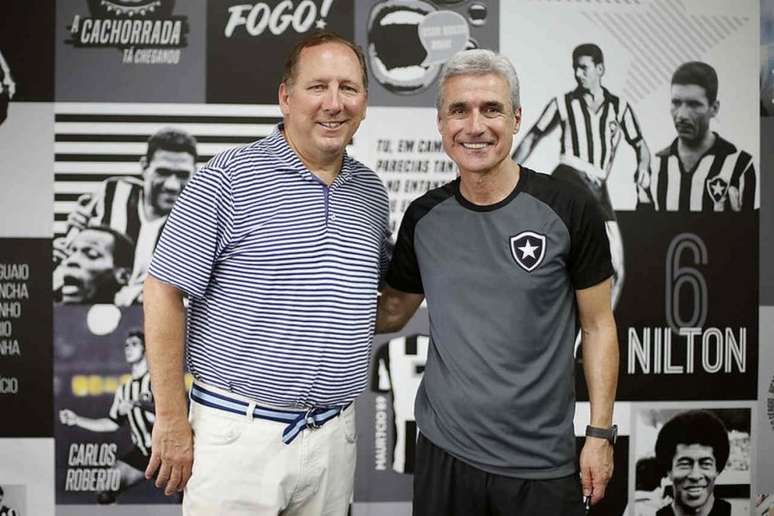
(480, 62)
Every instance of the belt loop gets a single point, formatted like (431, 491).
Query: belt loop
(250, 412)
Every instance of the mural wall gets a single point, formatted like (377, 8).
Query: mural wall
(91, 90)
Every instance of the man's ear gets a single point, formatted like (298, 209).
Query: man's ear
(121, 275)
(144, 162)
(283, 96)
(714, 108)
(517, 120)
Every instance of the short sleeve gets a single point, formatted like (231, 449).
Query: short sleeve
(743, 178)
(631, 127)
(590, 261)
(404, 274)
(196, 233)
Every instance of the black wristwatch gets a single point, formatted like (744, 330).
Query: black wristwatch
(603, 433)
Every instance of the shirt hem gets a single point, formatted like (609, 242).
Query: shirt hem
(531, 474)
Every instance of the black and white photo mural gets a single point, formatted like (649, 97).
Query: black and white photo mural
(660, 109)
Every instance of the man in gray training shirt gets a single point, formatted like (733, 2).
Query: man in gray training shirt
(509, 261)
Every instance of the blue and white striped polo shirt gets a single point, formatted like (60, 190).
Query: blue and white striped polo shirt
(282, 273)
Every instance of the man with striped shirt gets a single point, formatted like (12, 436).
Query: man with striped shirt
(280, 246)
(139, 208)
(700, 171)
(132, 406)
(592, 121)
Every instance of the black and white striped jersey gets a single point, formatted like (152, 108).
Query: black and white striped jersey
(589, 139)
(140, 417)
(722, 180)
(119, 204)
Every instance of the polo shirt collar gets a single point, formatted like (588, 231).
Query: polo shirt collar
(289, 160)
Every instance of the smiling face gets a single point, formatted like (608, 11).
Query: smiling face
(477, 122)
(325, 103)
(691, 112)
(693, 475)
(165, 177)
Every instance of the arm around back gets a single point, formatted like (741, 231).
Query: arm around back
(395, 308)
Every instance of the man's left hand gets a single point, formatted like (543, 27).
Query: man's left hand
(596, 464)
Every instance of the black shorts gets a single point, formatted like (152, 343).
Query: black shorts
(136, 459)
(581, 179)
(446, 486)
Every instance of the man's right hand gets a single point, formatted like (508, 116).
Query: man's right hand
(68, 417)
(81, 214)
(172, 453)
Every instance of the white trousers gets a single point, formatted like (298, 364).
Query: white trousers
(242, 467)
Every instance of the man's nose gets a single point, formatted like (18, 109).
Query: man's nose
(332, 99)
(695, 472)
(474, 124)
(72, 261)
(172, 182)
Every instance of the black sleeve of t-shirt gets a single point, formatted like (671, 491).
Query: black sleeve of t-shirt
(403, 273)
(590, 261)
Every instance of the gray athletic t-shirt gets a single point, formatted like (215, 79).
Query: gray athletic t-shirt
(498, 390)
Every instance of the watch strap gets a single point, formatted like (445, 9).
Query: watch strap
(603, 433)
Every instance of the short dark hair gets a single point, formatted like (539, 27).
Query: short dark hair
(700, 74)
(123, 246)
(692, 427)
(173, 140)
(588, 49)
(136, 332)
(320, 38)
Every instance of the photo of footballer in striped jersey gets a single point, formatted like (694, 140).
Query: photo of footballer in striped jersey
(592, 121)
(133, 210)
(700, 171)
(103, 407)
(132, 407)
